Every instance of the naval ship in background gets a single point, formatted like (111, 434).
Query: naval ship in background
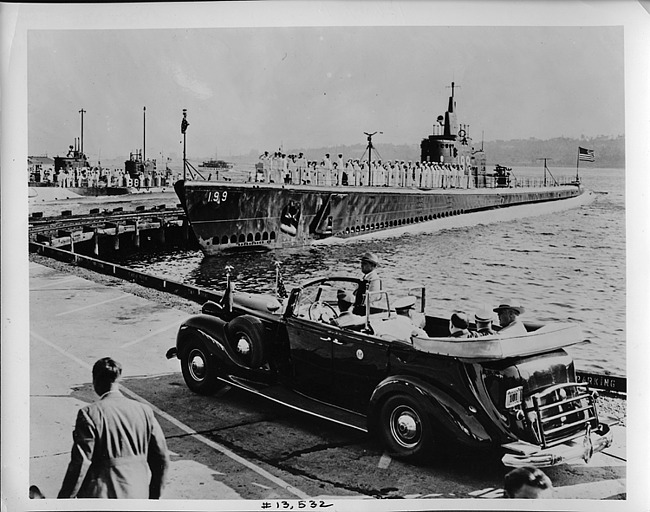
(72, 175)
(258, 216)
(217, 164)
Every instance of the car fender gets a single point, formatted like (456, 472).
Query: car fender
(213, 331)
(450, 417)
(210, 329)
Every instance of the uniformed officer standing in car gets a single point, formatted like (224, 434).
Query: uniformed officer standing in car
(371, 283)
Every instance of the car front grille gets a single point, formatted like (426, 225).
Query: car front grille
(561, 413)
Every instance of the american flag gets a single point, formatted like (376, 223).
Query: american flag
(227, 298)
(282, 291)
(586, 155)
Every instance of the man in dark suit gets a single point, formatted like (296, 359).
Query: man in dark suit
(458, 325)
(119, 449)
(347, 318)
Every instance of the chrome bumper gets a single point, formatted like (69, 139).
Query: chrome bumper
(580, 448)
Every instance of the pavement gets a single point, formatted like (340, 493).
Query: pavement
(74, 322)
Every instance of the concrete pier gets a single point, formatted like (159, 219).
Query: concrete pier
(74, 322)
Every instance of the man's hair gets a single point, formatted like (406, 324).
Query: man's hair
(526, 475)
(106, 370)
(459, 320)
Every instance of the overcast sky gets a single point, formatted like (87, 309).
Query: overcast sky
(256, 88)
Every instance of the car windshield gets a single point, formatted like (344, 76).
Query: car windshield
(325, 292)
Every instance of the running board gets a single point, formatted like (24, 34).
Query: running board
(299, 402)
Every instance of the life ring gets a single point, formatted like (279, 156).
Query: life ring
(461, 133)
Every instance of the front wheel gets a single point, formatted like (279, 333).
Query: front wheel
(404, 427)
(198, 368)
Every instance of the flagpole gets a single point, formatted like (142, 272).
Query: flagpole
(226, 299)
(144, 134)
(578, 166)
(184, 146)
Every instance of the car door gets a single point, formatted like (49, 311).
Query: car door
(310, 347)
(311, 358)
(359, 363)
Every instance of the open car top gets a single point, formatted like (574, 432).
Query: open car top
(543, 339)
(539, 338)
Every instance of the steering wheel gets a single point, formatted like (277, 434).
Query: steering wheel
(322, 312)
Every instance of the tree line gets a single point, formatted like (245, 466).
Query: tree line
(560, 151)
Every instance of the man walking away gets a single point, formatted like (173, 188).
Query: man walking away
(119, 449)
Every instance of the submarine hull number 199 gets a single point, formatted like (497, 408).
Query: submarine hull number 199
(217, 197)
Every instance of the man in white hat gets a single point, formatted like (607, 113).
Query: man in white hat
(405, 306)
(411, 320)
(371, 281)
(508, 314)
(483, 319)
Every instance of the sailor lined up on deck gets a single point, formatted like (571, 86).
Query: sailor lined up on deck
(296, 169)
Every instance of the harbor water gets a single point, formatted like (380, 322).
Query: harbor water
(562, 264)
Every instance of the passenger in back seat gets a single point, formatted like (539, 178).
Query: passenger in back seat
(405, 308)
(458, 325)
(483, 319)
(508, 318)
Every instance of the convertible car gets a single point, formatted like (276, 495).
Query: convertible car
(403, 379)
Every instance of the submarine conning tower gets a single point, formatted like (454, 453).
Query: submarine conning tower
(450, 142)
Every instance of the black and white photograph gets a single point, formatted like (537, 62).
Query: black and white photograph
(325, 255)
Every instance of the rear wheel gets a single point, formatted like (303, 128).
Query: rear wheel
(246, 337)
(198, 367)
(404, 427)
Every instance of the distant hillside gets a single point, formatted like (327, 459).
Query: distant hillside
(561, 152)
